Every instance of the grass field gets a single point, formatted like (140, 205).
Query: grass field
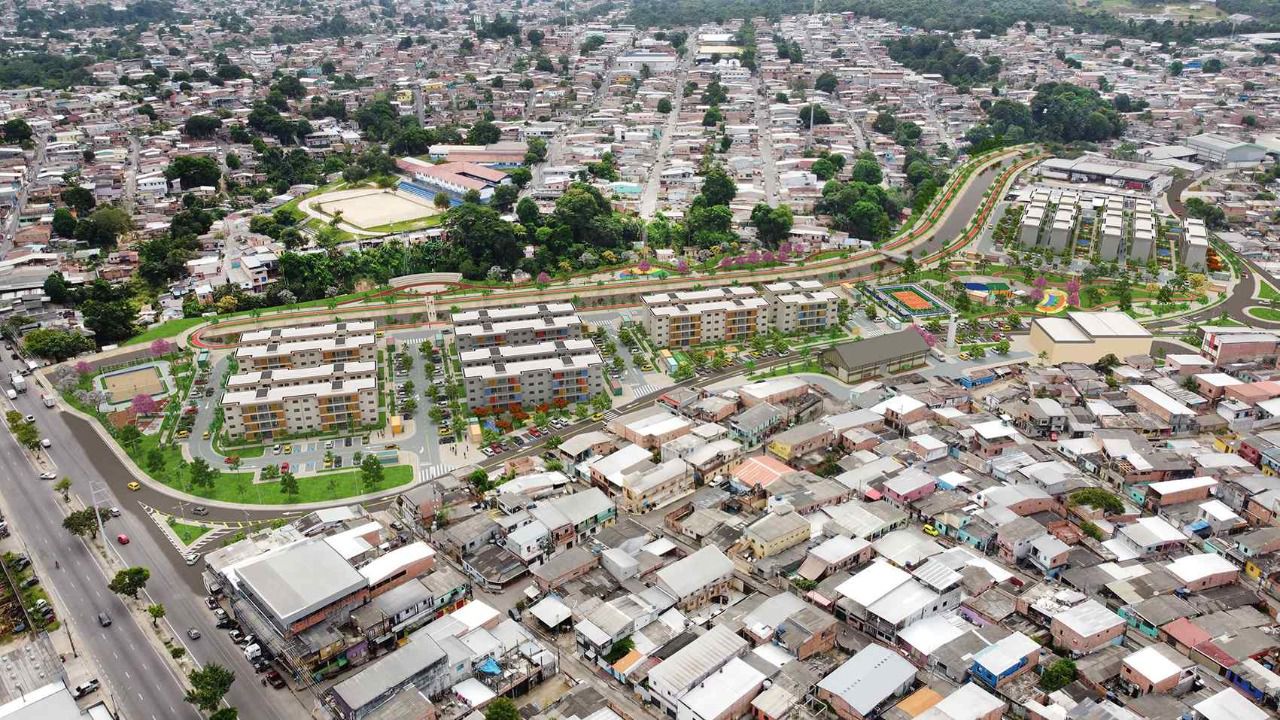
(1266, 292)
(188, 533)
(165, 330)
(1265, 314)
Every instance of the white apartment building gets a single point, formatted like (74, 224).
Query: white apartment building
(302, 334)
(268, 413)
(515, 325)
(307, 353)
(555, 379)
(534, 351)
(684, 319)
(1195, 244)
(290, 377)
(801, 306)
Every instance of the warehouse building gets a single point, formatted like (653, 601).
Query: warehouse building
(875, 356)
(1224, 150)
(1087, 336)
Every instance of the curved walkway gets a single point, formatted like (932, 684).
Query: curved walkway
(949, 215)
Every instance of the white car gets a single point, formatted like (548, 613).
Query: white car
(48, 476)
(46, 443)
(192, 558)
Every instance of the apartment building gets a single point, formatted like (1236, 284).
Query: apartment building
(552, 374)
(695, 317)
(271, 412)
(307, 353)
(1195, 244)
(801, 306)
(291, 377)
(275, 336)
(515, 325)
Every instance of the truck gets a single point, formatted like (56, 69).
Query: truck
(18, 382)
(47, 399)
(253, 652)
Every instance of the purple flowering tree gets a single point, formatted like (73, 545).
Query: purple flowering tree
(682, 266)
(83, 368)
(161, 347)
(1073, 292)
(643, 266)
(144, 404)
(1037, 289)
(543, 278)
(929, 338)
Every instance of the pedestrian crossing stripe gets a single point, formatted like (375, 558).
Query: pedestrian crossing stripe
(431, 472)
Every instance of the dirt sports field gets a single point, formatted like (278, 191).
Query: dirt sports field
(371, 207)
(124, 386)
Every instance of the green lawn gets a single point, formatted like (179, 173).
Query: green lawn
(165, 330)
(1266, 292)
(188, 533)
(1263, 314)
(244, 453)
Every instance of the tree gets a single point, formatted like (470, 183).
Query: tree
(535, 37)
(84, 523)
(143, 404)
(130, 581)
(773, 225)
(201, 474)
(1212, 66)
(79, 199)
(209, 685)
(54, 344)
(811, 115)
(226, 713)
(909, 268)
(202, 126)
(156, 611)
(1175, 68)
(104, 226)
(483, 133)
(501, 709)
(504, 196)
(288, 484)
(193, 171)
(17, 131)
(664, 106)
(867, 170)
(1058, 675)
(717, 187)
(129, 436)
(826, 82)
(371, 473)
(64, 223)
(63, 487)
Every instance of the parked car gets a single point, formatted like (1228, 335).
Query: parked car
(85, 689)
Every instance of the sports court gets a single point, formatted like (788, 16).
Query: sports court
(373, 207)
(124, 385)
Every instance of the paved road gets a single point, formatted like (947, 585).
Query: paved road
(649, 197)
(140, 683)
(80, 454)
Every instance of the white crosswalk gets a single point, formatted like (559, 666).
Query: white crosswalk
(644, 389)
(611, 415)
(430, 472)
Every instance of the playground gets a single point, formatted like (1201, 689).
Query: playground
(373, 208)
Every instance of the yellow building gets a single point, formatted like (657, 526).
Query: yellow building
(1086, 337)
(775, 532)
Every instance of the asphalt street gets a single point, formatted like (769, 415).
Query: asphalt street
(141, 683)
(80, 453)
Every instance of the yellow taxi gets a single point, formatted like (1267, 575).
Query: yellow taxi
(135, 485)
(288, 449)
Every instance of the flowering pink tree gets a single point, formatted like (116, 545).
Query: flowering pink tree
(768, 256)
(144, 404)
(83, 368)
(1073, 292)
(783, 254)
(682, 266)
(161, 347)
(543, 278)
(726, 262)
(1037, 289)
(753, 257)
(928, 337)
(643, 266)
